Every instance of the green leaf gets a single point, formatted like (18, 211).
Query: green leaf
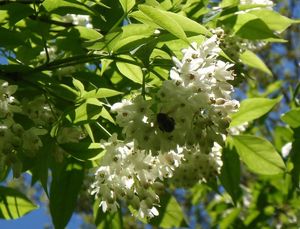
(249, 26)
(251, 109)
(64, 7)
(83, 150)
(258, 154)
(273, 19)
(105, 114)
(101, 93)
(64, 190)
(40, 169)
(78, 85)
(104, 220)
(292, 118)
(88, 33)
(130, 71)
(63, 91)
(127, 5)
(16, 39)
(231, 216)
(14, 204)
(230, 172)
(170, 213)
(251, 59)
(86, 112)
(295, 159)
(162, 19)
(188, 25)
(14, 12)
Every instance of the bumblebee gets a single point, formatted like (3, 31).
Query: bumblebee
(165, 122)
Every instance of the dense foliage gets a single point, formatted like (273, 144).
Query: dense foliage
(151, 112)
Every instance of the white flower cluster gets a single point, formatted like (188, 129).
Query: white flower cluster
(78, 19)
(15, 139)
(176, 135)
(258, 2)
(130, 174)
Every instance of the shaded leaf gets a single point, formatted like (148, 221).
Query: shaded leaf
(64, 189)
(230, 172)
(171, 214)
(104, 220)
(83, 150)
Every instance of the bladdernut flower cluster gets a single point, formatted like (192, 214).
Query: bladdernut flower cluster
(132, 175)
(178, 133)
(15, 139)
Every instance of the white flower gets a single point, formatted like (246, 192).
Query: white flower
(286, 149)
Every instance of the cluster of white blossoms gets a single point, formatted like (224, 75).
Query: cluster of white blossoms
(15, 139)
(176, 135)
(78, 19)
(258, 2)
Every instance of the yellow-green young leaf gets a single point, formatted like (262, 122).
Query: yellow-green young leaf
(88, 111)
(170, 214)
(78, 85)
(258, 154)
(189, 25)
(88, 129)
(101, 93)
(63, 7)
(105, 114)
(231, 216)
(249, 26)
(127, 5)
(130, 71)
(251, 109)
(292, 118)
(14, 204)
(162, 19)
(88, 33)
(251, 59)
(274, 20)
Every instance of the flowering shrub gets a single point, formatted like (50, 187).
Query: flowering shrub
(120, 107)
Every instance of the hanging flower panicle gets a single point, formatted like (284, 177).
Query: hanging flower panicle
(179, 132)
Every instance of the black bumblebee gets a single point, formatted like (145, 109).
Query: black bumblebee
(165, 122)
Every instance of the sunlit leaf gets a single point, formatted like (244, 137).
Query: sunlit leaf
(14, 204)
(292, 117)
(252, 109)
(162, 19)
(127, 4)
(131, 71)
(101, 93)
(251, 59)
(258, 154)
(90, 110)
